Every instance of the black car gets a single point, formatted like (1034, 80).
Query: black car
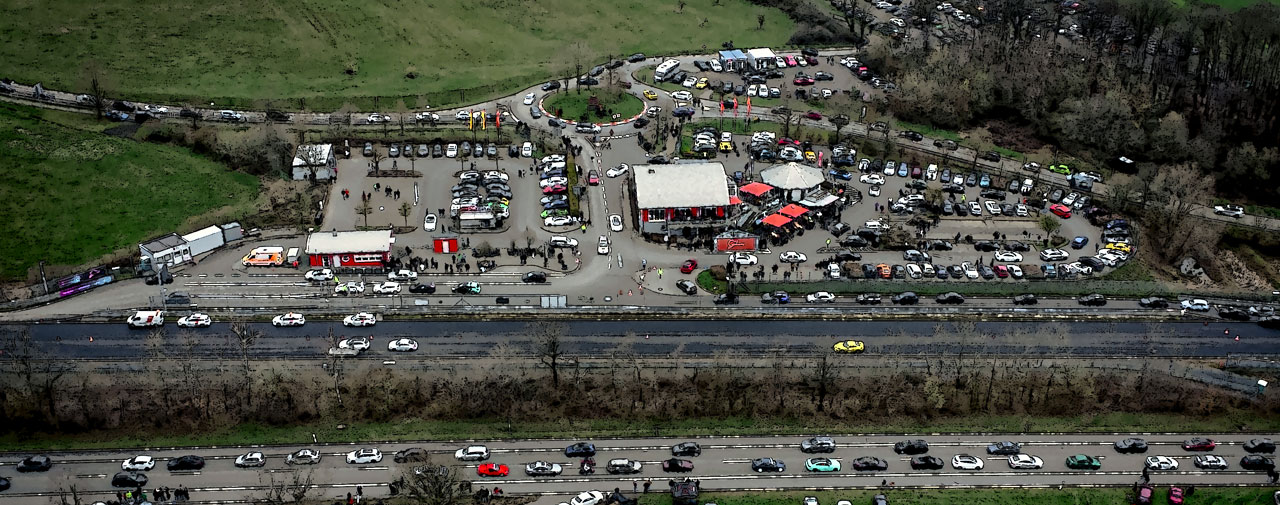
(129, 479)
(952, 188)
(951, 297)
(818, 444)
(1094, 263)
(1256, 462)
(913, 136)
(687, 286)
(635, 58)
(155, 278)
(809, 51)
(971, 180)
(898, 272)
(423, 288)
(956, 271)
(911, 447)
(986, 272)
(37, 463)
(550, 85)
(823, 76)
(1233, 313)
(1094, 300)
(993, 194)
(122, 105)
(1005, 448)
(641, 122)
(986, 246)
(926, 463)
(939, 245)
(906, 298)
(725, 299)
(854, 241)
(1016, 246)
(534, 277)
(4, 484)
(411, 455)
(1025, 299)
(677, 465)
(690, 449)
(870, 464)
(868, 298)
(188, 462)
(1154, 302)
(768, 465)
(1260, 445)
(991, 156)
(580, 450)
(189, 113)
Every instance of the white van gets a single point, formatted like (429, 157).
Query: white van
(147, 319)
(292, 257)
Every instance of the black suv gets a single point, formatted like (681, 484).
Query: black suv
(1095, 300)
(911, 447)
(818, 444)
(37, 463)
(691, 449)
(907, 298)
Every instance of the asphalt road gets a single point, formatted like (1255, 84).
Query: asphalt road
(692, 338)
(723, 465)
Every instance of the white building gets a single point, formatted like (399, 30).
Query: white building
(314, 157)
(167, 250)
(671, 198)
(761, 58)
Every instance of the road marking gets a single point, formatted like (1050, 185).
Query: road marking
(92, 476)
(373, 468)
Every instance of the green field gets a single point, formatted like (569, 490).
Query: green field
(72, 194)
(574, 105)
(1233, 5)
(1051, 496)
(330, 51)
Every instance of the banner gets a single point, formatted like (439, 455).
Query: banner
(471, 120)
(748, 106)
(735, 106)
(484, 125)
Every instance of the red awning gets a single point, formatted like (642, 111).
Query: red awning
(756, 189)
(733, 200)
(777, 220)
(793, 210)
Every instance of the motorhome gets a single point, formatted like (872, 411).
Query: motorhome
(264, 257)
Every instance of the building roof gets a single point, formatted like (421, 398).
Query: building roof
(202, 233)
(738, 55)
(316, 152)
(338, 242)
(162, 243)
(793, 210)
(756, 189)
(776, 220)
(701, 184)
(792, 176)
(761, 52)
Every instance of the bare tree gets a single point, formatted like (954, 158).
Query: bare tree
(364, 209)
(95, 83)
(405, 210)
(546, 335)
(68, 495)
(785, 114)
(680, 6)
(401, 111)
(294, 489)
(433, 484)
(378, 156)
(824, 373)
(245, 338)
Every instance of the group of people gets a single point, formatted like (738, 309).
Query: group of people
(161, 494)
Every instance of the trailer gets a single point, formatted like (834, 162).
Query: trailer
(204, 240)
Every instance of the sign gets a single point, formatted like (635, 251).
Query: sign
(731, 244)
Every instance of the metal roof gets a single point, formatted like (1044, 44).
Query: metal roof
(163, 243)
(701, 184)
(792, 176)
(338, 242)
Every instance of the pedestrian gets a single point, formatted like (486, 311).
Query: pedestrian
(647, 483)
(584, 229)
(1191, 490)
(883, 482)
(828, 242)
(350, 499)
(644, 263)
(635, 486)
(659, 272)
(1146, 476)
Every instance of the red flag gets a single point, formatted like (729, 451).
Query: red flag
(497, 120)
(735, 106)
(748, 106)
(721, 108)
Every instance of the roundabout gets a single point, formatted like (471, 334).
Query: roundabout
(599, 106)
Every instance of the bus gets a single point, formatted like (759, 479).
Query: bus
(268, 256)
(666, 69)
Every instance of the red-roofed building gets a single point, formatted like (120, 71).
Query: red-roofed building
(776, 220)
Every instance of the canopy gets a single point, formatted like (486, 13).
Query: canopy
(733, 200)
(777, 220)
(793, 210)
(792, 176)
(756, 189)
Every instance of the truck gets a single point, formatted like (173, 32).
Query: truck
(146, 319)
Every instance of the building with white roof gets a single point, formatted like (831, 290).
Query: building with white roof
(357, 249)
(669, 199)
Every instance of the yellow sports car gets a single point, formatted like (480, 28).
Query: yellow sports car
(849, 347)
(810, 156)
(702, 83)
(648, 93)
(1124, 248)
(726, 147)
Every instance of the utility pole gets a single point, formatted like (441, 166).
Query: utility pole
(42, 278)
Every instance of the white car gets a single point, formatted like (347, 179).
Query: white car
(429, 224)
(426, 117)
(1015, 271)
(992, 207)
(562, 241)
(360, 319)
(364, 456)
(1054, 255)
(1161, 463)
(588, 498)
(1235, 211)
(876, 225)
(528, 99)
(386, 288)
(526, 150)
(898, 22)
(966, 462)
(809, 500)
(451, 151)
(1022, 211)
(379, 118)
(1025, 462)
(349, 288)
(914, 271)
(559, 221)
(743, 258)
(751, 90)
(682, 95)
(874, 179)
(252, 459)
(615, 222)
(402, 275)
(1196, 304)
(602, 245)
(617, 171)
(196, 320)
(931, 173)
(357, 343)
(496, 176)
(873, 191)
(138, 464)
(472, 453)
(833, 270)
(715, 66)
(402, 345)
(462, 115)
(975, 209)
(1008, 257)
(290, 319)
(970, 271)
(792, 257)
(303, 457)
(323, 274)
(1027, 184)
(820, 297)
(553, 181)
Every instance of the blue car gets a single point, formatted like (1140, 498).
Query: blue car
(902, 169)
(1079, 242)
(841, 174)
(985, 181)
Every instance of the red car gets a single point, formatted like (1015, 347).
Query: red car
(689, 266)
(1199, 444)
(1175, 496)
(492, 470)
(785, 141)
(1062, 211)
(554, 189)
(803, 81)
(1002, 271)
(813, 114)
(593, 178)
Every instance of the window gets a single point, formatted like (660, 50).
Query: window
(368, 258)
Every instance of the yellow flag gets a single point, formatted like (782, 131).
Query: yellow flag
(483, 125)
(471, 120)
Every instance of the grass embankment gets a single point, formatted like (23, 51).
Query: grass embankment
(1070, 496)
(237, 52)
(574, 106)
(72, 194)
(490, 429)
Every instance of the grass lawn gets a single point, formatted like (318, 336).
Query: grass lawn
(495, 428)
(1070, 496)
(75, 194)
(328, 51)
(931, 132)
(574, 105)
(1233, 5)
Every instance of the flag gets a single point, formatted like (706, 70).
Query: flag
(471, 120)
(497, 121)
(721, 108)
(483, 124)
(735, 106)
(748, 106)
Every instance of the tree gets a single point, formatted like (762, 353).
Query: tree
(69, 495)
(437, 484)
(546, 337)
(858, 20)
(1050, 224)
(840, 121)
(405, 210)
(95, 84)
(291, 490)
(401, 111)
(680, 6)
(364, 209)
(378, 157)
(824, 373)
(785, 114)
(759, 22)
(244, 340)
(1173, 230)
(580, 54)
